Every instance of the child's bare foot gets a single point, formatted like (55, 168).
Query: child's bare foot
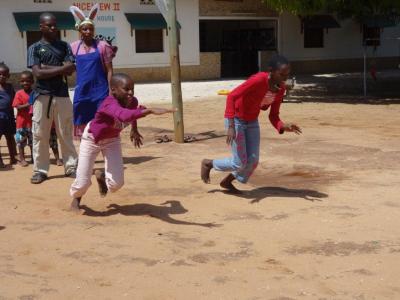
(59, 162)
(74, 207)
(226, 183)
(101, 181)
(206, 166)
(23, 163)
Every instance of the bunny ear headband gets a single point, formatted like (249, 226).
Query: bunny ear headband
(80, 17)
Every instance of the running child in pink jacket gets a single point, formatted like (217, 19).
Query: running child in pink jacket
(102, 134)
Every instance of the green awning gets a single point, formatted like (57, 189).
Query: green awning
(378, 21)
(320, 21)
(147, 21)
(29, 21)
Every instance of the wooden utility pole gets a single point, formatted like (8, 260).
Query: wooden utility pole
(172, 25)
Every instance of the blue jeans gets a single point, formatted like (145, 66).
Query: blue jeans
(245, 150)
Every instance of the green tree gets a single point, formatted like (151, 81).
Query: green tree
(357, 9)
(302, 7)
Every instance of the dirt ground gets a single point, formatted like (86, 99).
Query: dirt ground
(320, 218)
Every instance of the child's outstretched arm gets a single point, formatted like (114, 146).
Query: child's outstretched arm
(128, 115)
(158, 111)
(135, 136)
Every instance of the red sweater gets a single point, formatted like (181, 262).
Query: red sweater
(244, 102)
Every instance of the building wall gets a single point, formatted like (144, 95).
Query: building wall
(342, 51)
(13, 52)
(342, 65)
(342, 47)
(209, 68)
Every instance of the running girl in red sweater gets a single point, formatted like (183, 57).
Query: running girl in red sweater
(243, 105)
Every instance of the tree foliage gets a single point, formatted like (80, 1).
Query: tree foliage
(300, 7)
(357, 9)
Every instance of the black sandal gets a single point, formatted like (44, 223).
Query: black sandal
(163, 139)
(189, 139)
(38, 177)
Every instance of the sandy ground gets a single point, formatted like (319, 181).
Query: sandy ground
(319, 219)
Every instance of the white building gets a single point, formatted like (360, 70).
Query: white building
(219, 38)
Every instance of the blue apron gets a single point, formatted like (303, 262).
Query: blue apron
(92, 85)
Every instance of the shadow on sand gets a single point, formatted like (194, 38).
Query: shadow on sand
(208, 135)
(161, 212)
(258, 194)
(135, 160)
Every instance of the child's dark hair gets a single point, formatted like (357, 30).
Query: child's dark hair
(118, 78)
(276, 62)
(27, 74)
(4, 66)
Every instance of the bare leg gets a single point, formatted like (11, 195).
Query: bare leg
(22, 160)
(57, 157)
(2, 165)
(75, 205)
(226, 183)
(206, 166)
(12, 148)
(31, 161)
(101, 181)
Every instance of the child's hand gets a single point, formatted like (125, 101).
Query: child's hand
(136, 138)
(68, 68)
(292, 128)
(230, 135)
(161, 111)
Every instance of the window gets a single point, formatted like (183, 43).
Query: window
(35, 36)
(149, 40)
(229, 35)
(372, 36)
(313, 37)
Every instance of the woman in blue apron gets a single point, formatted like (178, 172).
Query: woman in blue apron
(93, 69)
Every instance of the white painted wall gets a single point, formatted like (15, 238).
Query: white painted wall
(340, 43)
(13, 46)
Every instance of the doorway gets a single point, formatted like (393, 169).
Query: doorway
(239, 42)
